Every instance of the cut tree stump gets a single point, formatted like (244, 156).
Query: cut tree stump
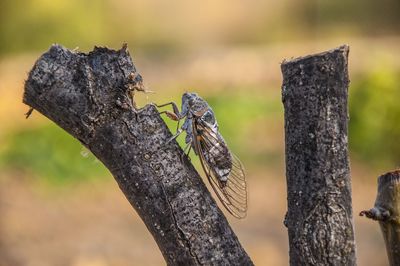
(319, 217)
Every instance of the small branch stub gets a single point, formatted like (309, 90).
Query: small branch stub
(387, 212)
(319, 217)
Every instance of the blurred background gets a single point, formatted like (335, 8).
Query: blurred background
(60, 206)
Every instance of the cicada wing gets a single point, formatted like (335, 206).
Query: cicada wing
(233, 192)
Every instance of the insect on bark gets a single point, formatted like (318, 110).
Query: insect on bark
(223, 169)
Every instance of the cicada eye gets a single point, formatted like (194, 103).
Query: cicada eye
(188, 98)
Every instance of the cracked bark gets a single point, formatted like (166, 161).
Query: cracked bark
(86, 95)
(387, 212)
(319, 217)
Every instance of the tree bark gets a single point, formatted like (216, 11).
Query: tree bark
(387, 212)
(86, 95)
(319, 217)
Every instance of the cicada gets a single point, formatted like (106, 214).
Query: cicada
(223, 169)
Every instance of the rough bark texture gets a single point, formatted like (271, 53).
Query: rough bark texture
(86, 94)
(319, 217)
(387, 212)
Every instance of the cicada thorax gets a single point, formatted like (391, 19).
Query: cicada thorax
(215, 150)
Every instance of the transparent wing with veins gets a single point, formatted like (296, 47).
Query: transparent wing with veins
(233, 192)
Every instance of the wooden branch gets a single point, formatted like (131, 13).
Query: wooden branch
(86, 95)
(387, 212)
(319, 217)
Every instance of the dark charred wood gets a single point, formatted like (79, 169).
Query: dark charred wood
(87, 95)
(319, 218)
(387, 212)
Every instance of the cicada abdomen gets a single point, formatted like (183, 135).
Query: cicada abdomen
(215, 152)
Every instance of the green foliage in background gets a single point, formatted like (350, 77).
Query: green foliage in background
(159, 28)
(51, 154)
(359, 16)
(242, 118)
(237, 112)
(375, 117)
(36, 24)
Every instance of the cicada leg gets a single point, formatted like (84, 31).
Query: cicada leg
(179, 131)
(188, 148)
(175, 115)
(174, 107)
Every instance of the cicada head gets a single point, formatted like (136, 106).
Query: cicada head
(189, 98)
(195, 104)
